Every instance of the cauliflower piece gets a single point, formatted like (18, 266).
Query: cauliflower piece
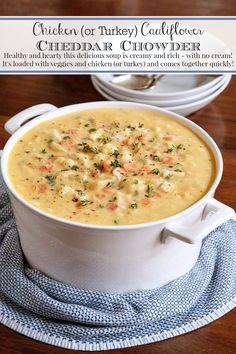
(55, 135)
(123, 199)
(96, 134)
(157, 182)
(57, 147)
(103, 183)
(64, 176)
(108, 148)
(83, 159)
(167, 186)
(65, 162)
(98, 158)
(126, 156)
(134, 184)
(118, 173)
(66, 190)
(171, 172)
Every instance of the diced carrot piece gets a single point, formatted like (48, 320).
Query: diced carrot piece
(107, 167)
(141, 138)
(129, 167)
(46, 168)
(144, 169)
(169, 137)
(94, 172)
(157, 194)
(68, 143)
(41, 188)
(109, 190)
(72, 131)
(172, 160)
(146, 201)
(112, 206)
(127, 142)
(100, 195)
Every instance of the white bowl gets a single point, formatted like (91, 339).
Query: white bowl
(169, 87)
(115, 259)
(185, 109)
(160, 103)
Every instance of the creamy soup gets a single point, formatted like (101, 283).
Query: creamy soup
(111, 166)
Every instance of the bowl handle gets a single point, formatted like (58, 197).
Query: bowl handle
(214, 214)
(20, 118)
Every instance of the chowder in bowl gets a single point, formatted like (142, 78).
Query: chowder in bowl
(112, 196)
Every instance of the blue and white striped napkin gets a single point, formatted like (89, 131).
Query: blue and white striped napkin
(61, 315)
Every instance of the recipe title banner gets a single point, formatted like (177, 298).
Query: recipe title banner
(117, 44)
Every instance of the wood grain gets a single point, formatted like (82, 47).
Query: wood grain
(218, 119)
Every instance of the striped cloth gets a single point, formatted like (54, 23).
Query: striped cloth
(61, 315)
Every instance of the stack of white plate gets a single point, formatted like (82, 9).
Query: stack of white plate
(182, 94)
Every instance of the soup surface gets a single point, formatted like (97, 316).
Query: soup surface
(111, 166)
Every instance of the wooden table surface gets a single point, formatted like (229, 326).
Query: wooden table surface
(218, 119)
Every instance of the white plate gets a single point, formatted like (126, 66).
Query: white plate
(169, 87)
(184, 110)
(160, 103)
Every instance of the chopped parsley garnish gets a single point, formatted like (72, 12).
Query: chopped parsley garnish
(131, 128)
(92, 130)
(79, 191)
(168, 176)
(115, 222)
(113, 199)
(140, 125)
(116, 153)
(75, 168)
(178, 170)
(169, 150)
(43, 151)
(84, 202)
(98, 166)
(180, 146)
(27, 152)
(103, 139)
(155, 171)
(115, 163)
(110, 184)
(135, 145)
(87, 148)
(101, 206)
(134, 206)
(50, 141)
(66, 137)
(86, 125)
(51, 180)
(149, 191)
(156, 158)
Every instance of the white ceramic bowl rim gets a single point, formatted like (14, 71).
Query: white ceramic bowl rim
(160, 95)
(104, 104)
(165, 103)
(200, 101)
